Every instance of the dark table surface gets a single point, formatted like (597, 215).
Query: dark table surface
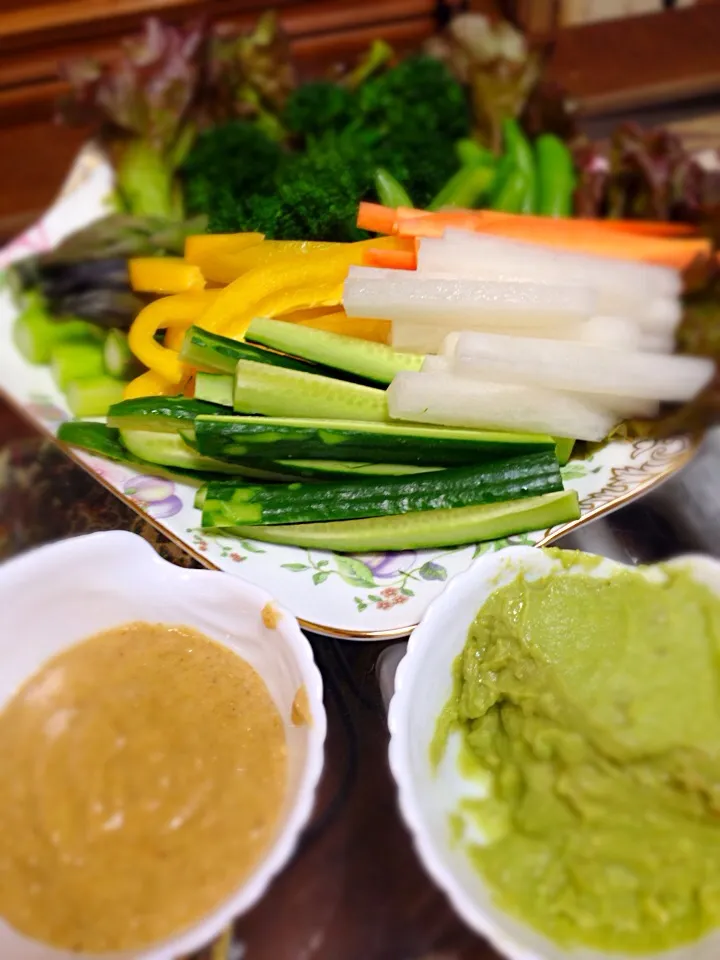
(355, 890)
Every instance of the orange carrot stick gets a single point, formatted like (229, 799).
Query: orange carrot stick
(391, 259)
(376, 218)
(677, 254)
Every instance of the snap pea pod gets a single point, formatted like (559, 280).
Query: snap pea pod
(391, 193)
(555, 176)
(465, 189)
(517, 186)
(472, 154)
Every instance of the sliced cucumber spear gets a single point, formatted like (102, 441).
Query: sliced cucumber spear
(36, 335)
(211, 351)
(119, 359)
(214, 388)
(276, 392)
(372, 361)
(229, 505)
(275, 438)
(165, 414)
(93, 396)
(431, 528)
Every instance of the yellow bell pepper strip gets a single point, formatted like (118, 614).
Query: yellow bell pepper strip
(308, 313)
(176, 311)
(228, 264)
(150, 384)
(339, 322)
(174, 337)
(238, 303)
(164, 275)
(201, 246)
(283, 301)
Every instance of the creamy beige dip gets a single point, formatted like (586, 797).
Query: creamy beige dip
(142, 774)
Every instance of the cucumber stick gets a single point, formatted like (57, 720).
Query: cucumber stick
(119, 359)
(93, 396)
(430, 528)
(76, 361)
(165, 414)
(214, 388)
(273, 438)
(210, 351)
(102, 440)
(36, 335)
(276, 392)
(169, 450)
(230, 505)
(343, 469)
(372, 361)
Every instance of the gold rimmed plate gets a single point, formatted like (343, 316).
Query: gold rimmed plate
(362, 597)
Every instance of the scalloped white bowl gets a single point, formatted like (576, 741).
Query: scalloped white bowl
(427, 797)
(60, 594)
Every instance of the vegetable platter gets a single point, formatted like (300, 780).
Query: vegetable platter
(356, 595)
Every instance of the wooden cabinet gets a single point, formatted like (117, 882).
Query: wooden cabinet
(609, 66)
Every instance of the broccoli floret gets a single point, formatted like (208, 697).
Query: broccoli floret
(226, 164)
(316, 108)
(419, 110)
(319, 190)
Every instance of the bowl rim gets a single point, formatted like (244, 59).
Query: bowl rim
(135, 549)
(425, 633)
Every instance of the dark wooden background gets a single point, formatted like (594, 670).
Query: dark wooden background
(610, 66)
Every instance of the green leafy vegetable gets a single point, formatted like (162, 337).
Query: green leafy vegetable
(252, 75)
(143, 102)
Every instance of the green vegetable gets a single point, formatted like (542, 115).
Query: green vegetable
(555, 177)
(316, 107)
(105, 442)
(362, 358)
(277, 392)
(390, 192)
(430, 528)
(563, 450)
(343, 469)
(274, 438)
(36, 335)
(76, 361)
(465, 189)
(93, 396)
(119, 359)
(418, 111)
(229, 164)
(214, 388)
(228, 505)
(472, 154)
(405, 120)
(512, 194)
(145, 100)
(170, 450)
(165, 414)
(517, 188)
(220, 354)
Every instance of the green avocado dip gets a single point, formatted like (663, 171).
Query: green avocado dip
(592, 708)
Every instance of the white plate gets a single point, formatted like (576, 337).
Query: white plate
(58, 595)
(356, 597)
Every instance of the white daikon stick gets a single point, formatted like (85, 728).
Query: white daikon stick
(436, 364)
(612, 273)
(616, 333)
(584, 368)
(452, 303)
(449, 400)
